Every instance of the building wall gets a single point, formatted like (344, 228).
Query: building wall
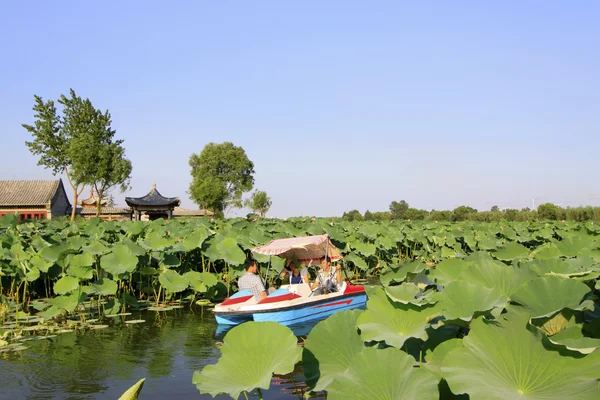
(60, 204)
(26, 213)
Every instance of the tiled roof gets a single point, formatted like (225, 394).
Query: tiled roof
(103, 210)
(153, 198)
(180, 212)
(27, 193)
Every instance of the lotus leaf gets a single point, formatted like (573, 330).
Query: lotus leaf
(365, 248)
(121, 260)
(96, 248)
(385, 374)
(399, 274)
(39, 263)
(543, 297)
(505, 361)
(462, 300)
(230, 252)
(172, 281)
(392, 322)
(448, 271)
(436, 358)
(134, 247)
(133, 392)
(554, 324)
(490, 273)
(572, 338)
(570, 246)
(200, 281)
(66, 284)
(251, 353)
(195, 239)
(357, 260)
(104, 287)
(67, 302)
(511, 251)
(404, 293)
(330, 348)
(169, 260)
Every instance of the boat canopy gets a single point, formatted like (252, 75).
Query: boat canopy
(304, 248)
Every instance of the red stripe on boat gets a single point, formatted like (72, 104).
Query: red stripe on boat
(337, 303)
(282, 297)
(354, 289)
(236, 300)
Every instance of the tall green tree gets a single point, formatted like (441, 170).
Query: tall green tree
(259, 203)
(80, 144)
(100, 158)
(399, 209)
(221, 174)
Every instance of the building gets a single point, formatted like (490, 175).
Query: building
(152, 206)
(180, 213)
(87, 209)
(36, 199)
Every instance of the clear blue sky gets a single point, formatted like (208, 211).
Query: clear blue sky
(340, 104)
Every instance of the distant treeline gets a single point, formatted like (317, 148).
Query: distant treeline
(547, 211)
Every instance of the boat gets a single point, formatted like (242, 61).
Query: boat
(292, 303)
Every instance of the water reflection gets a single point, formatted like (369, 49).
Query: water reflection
(166, 350)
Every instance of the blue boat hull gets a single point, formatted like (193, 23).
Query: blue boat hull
(312, 311)
(232, 319)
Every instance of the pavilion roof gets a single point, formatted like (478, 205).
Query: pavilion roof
(153, 198)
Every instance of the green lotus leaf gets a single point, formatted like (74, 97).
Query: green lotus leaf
(156, 242)
(512, 251)
(251, 353)
(462, 300)
(570, 246)
(200, 281)
(543, 297)
(104, 287)
(357, 260)
(195, 239)
(66, 284)
(67, 302)
(554, 324)
(148, 271)
(572, 338)
(121, 260)
(39, 263)
(230, 252)
(32, 274)
(52, 312)
(172, 281)
(96, 248)
(366, 249)
(437, 356)
(391, 322)
(134, 247)
(76, 243)
(505, 361)
(399, 274)
(330, 348)
(133, 392)
(18, 253)
(491, 273)
(547, 251)
(404, 293)
(448, 270)
(384, 374)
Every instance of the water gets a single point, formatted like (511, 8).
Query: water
(102, 364)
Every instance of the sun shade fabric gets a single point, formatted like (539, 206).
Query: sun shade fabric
(303, 248)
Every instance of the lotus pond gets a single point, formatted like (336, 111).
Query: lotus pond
(469, 310)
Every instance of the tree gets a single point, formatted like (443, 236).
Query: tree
(259, 203)
(398, 209)
(547, 211)
(353, 215)
(494, 209)
(100, 161)
(221, 173)
(78, 144)
(461, 213)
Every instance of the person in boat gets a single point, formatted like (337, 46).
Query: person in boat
(251, 281)
(328, 278)
(296, 275)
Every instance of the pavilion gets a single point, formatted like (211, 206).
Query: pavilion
(152, 206)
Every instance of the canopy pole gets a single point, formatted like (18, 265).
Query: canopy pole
(267, 274)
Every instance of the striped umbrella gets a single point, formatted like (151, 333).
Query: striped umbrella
(304, 249)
